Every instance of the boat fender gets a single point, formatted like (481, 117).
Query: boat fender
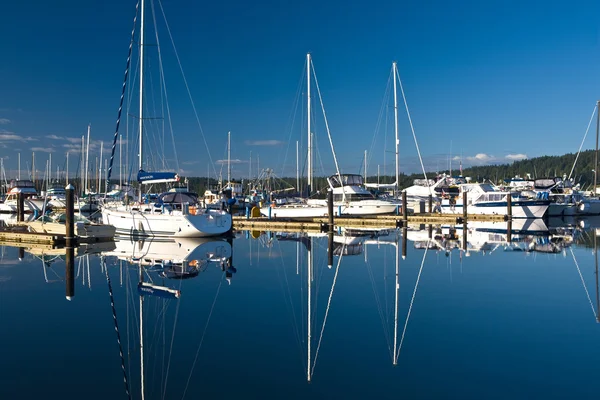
(583, 206)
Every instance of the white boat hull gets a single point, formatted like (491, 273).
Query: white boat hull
(533, 209)
(174, 224)
(366, 207)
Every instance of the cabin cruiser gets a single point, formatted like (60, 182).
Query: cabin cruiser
(484, 198)
(349, 198)
(31, 202)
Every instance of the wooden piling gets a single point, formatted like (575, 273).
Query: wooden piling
(430, 209)
(404, 209)
(330, 249)
(465, 207)
(20, 207)
(70, 273)
(330, 209)
(509, 206)
(70, 216)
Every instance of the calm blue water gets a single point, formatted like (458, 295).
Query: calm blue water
(496, 321)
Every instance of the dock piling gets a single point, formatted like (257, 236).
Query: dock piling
(404, 208)
(509, 205)
(465, 207)
(330, 210)
(20, 207)
(430, 203)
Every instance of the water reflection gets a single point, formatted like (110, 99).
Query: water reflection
(338, 310)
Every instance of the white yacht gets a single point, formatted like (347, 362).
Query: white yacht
(27, 188)
(350, 198)
(483, 198)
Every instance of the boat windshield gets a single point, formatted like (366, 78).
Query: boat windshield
(178, 197)
(346, 180)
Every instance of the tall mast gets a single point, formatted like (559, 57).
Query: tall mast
(229, 159)
(596, 154)
(49, 166)
(310, 172)
(67, 172)
(19, 166)
(33, 167)
(120, 162)
(100, 168)
(297, 168)
(365, 167)
(82, 163)
(87, 160)
(396, 127)
(141, 112)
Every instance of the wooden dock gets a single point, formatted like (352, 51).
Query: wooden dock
(380, 221)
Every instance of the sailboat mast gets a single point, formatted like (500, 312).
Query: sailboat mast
(396, 127)
(87, 160)
(297, 168)
(596, 153)
(141, 111)
(67, 171)
(310, 172)
(100, 168)
(120, 162)
(33, 167)
(229, 159)
(365, 166)
(19, 166)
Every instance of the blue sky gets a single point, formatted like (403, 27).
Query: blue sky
(484, 80)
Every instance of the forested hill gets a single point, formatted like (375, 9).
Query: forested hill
(546, 166)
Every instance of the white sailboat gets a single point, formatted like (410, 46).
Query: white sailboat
(175, 214)
(350, 195)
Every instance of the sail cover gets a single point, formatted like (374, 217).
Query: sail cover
(156, 177)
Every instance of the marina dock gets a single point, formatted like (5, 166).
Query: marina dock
(381, 221)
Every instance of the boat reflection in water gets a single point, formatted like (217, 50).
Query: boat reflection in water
(156, 259)
(181, 258)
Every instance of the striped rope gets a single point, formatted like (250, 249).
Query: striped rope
(114, 313)
(116, 137)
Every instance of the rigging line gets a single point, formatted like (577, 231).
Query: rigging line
(386, 331)
(583, 283)
(187, 86)
(202, 337)
(411, 303)
(114, 313)
(337, 268)
(292, 116)
(384, 103)
(412, 129)
(584, 136)
(114, 146)
(291, 304)
(164, 91)
(172, 340)
(337, 168)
